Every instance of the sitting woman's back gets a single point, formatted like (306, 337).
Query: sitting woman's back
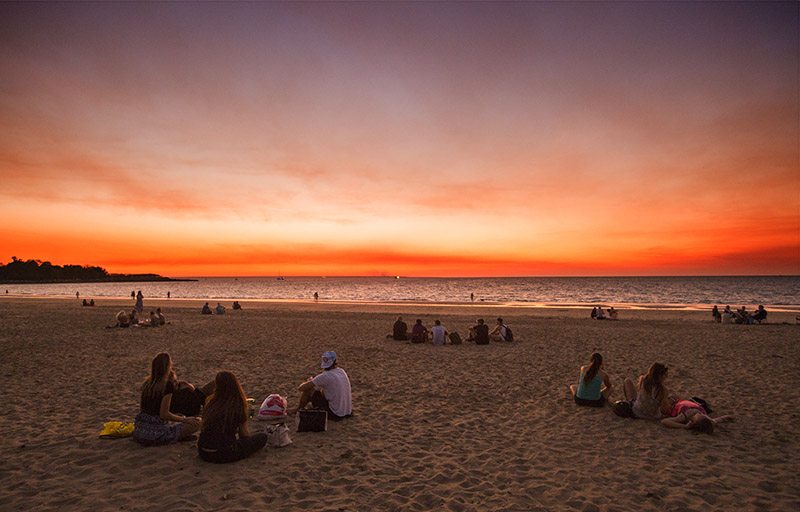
(651, 395)
(225, 416)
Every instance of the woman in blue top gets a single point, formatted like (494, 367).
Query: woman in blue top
(590, 390)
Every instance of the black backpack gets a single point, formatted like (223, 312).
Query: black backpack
(509, 334)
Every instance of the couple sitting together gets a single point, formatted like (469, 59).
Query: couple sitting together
(170, 409)
(648, 399)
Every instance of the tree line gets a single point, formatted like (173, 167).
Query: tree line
(44, 271)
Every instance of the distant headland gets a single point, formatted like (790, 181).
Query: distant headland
(37, 271)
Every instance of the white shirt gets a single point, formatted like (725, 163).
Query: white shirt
(438, 334)
(336, 386)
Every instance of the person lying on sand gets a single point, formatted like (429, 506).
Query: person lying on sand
(155, 424)
(649, 397)
(692, 416)
(330, 390)
(122, 320)
(590, 390)
(224, 418)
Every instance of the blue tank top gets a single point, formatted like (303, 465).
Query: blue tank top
(591, 391)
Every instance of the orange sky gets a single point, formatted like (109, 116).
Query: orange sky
(414, 139)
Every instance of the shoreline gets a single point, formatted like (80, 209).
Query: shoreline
(772, 308)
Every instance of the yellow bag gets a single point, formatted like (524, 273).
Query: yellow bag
(114, 429)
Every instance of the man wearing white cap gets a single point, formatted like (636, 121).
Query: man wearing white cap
(330, 390)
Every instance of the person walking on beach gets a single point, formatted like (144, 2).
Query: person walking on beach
(472, 297)
(329, 391)
(438, 333)
(139, 302)
(78, 295)
(316, 296)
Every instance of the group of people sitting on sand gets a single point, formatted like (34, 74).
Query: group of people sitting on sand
(740, 316)
(438, 334)
(599, 314)
(173, 410)
(155, 319)
(90, 303)
(648, 398)
(220, 309)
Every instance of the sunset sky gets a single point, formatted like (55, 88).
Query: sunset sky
(419, 139)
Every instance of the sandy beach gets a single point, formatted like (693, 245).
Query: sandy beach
(436, 428)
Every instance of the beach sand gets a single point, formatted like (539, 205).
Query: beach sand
(436, 428)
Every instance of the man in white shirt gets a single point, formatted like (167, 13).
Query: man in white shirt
(499, 332)
(330, 390)
(438, 333)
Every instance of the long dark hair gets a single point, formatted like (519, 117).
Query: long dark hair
(652, 381)
(226, 409)
(160, 369)
(591, 372)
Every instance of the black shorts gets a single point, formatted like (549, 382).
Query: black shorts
(591, 403)
(319, 401)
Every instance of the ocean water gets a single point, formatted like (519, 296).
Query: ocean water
(548, 291)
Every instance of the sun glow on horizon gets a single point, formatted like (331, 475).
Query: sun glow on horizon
(402, 139)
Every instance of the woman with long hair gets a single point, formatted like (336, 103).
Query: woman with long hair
(693, 416)
(225, 416)
(649, 397)
(155, 424)
(594, 385)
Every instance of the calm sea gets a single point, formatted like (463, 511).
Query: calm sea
(555, 291)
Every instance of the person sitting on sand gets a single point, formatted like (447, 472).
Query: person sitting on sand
(594, 313)
(153, 320)
(692, 416)
(236, 305)
(122, 320)
(187, 399)
(207, 310)
(612, 313)
(727, 315)
(479, 333)
(741, 316)
(649, 397)
(600, 314)
(500, 331)
(330, 390)
(91, 302)
(85, 303)
(155, 424)
(760, 314)
(716, 315)
(419, 333)
(162, 320)
(590, 390)
(220, 309)
(225, 417)
(399, 330)
(438, 333)
(134, 317)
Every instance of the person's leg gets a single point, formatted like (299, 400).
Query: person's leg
(247, 446)
(187, 431)
(630, 389)
(495, 337)
(574, 389)
(606, 392)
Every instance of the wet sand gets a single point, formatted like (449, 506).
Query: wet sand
(436, 428)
